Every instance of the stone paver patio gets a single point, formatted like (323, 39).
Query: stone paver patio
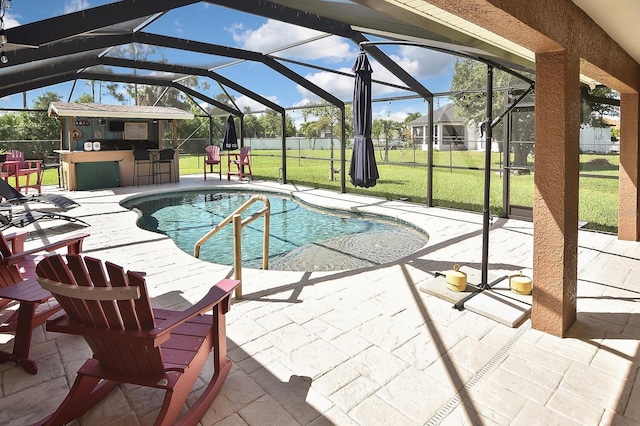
(363, 347)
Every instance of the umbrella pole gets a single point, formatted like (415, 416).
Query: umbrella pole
(486, 217)
(487, 181)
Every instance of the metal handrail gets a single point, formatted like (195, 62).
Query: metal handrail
(238, 224)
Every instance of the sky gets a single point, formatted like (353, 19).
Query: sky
(213, 24)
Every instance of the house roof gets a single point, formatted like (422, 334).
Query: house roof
(73, 109)
(446, 114)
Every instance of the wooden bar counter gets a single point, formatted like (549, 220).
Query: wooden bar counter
(83, 170)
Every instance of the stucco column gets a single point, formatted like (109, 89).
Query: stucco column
(555, 205)
(628, 203)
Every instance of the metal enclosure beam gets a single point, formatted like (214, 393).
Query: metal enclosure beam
(48, 30)
(180, 69)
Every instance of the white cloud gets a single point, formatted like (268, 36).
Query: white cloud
(338, 85)
(423, 63)
(75, 5)
(178, 26)
(245, 101)
(386, 112)
(275, 35)
(419, 63)
(10, 20)
(165, 75)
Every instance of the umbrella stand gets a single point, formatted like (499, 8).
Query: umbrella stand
(486, 218)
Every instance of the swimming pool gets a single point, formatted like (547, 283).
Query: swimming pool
(301, 238)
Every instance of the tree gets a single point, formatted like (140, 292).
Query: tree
(85, 98)
(113, 89)
(135, 52)
(385, 128)
(596, 104)
(219, 116)
(468, 75)
(471, 75)
(405, 128)
(329, 119)
(290, 125)
(270, 122)
(9, 126)
(38, 125)
(252, 126)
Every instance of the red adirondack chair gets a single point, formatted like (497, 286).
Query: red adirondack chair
(131, 342)
(212, 159)
(17, 283)
(28, 168)
(240, 163)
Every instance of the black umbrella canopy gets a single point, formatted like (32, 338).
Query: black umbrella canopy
(363, 169)
(230, 140)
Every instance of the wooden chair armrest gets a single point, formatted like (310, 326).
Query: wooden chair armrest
(221, 292)
(16, 240)
(31, 163)
(73, 243)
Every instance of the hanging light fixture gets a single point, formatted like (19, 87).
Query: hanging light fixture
(4, 5)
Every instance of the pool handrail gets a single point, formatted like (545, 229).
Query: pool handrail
(238, 224)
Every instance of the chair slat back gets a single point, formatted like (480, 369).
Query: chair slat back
(213, 153)
(15, 155)
(166, 154)
(245, 151)
(109, 315)
(9, 274)
(141, 154)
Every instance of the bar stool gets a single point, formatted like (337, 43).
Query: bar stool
(142, 157)
(165, 156)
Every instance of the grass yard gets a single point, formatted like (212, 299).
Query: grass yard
(404, 176)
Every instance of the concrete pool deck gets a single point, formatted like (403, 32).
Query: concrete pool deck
(366, 346)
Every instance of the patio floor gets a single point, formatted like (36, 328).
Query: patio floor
(366, 346)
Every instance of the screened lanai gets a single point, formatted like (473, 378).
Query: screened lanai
(109, 43)
(126, 42)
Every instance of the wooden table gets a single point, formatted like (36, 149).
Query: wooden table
(30, 295)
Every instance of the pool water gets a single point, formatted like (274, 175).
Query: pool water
(301, 238)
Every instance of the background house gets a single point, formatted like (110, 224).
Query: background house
(449, 131)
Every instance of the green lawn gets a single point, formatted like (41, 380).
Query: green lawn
(455, 188)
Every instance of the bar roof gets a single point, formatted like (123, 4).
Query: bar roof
(73, 109)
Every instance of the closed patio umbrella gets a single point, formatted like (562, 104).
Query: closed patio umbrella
(363, 169)
(230, 140)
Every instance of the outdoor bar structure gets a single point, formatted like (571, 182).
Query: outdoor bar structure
(97, 143)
